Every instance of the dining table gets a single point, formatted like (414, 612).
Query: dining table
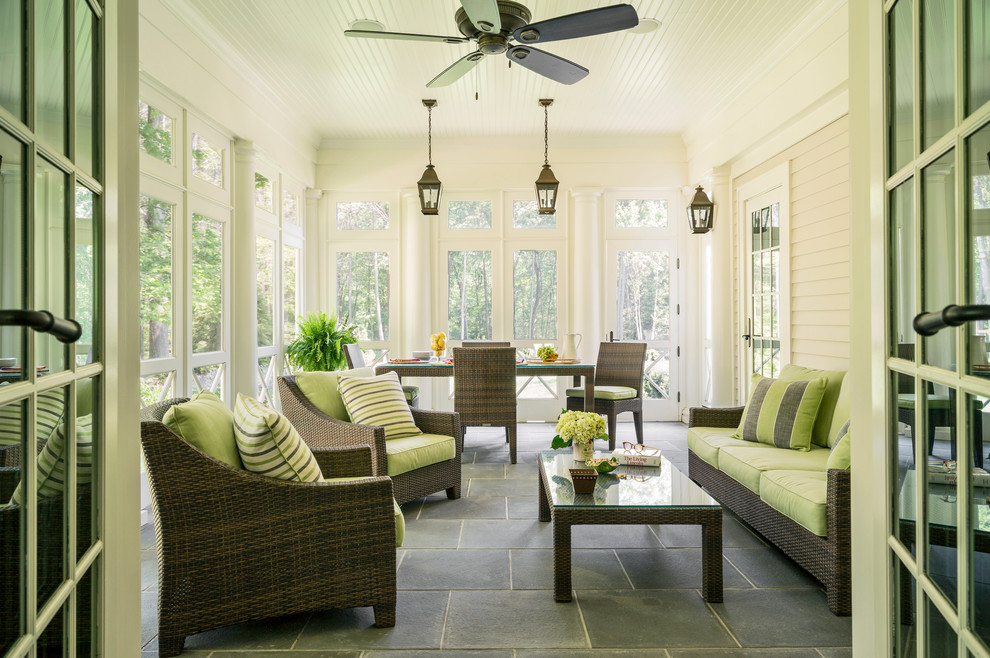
(525, 369)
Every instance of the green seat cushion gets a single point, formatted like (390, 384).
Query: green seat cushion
(705, 442)
(410, 391)
(320, 388)
(412, 452)
(833, 384)
(270, 445)
(605, 392)
(781, 413)
(53, 457)
(798, 495)
(378, 401)
(207, 423)
(400, 520)
(842, 410)
(744, 465)
(907, 401)
(839, 456)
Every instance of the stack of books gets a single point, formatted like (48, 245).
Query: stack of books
(637, 455)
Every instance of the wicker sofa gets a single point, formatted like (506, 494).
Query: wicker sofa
(787, 496)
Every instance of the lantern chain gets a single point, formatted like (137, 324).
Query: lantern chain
(429, 133)
(546, 135)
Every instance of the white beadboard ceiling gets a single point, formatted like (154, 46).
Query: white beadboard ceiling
(357, 89)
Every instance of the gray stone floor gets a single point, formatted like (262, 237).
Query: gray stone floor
(475, 578)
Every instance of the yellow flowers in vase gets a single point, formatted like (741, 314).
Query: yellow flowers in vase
(438, 343)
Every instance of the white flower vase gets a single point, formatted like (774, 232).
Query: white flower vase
(583, 451)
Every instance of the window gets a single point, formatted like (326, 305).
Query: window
(640, 213)
(290, 208)
(207, 284)
(363, 292)
(765, 261)
(526, 214)
(362, 216)
(156, 277)
(469, 295)
(264, 193)
(266, 291)
(85, 266)
(155, 128)
(290, 292)
(469, 214)
(534, 294)
(207, 161)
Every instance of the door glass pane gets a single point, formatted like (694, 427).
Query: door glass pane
(264, 193)
(978, 55)
(207, 161)
(756, 229)
(775, 225)
(937, 48)
(978, 216)
(156, 132)
(900, 78)
(85, 108)
(209, 378)
(656, 375)
(902, 265)
(290, 292)
(85, 619)
(904, 608)
(85, 266)
(940, 501)
(87, 450)
(12, 55)
(266, 291)
(12, 283)
(940, 638)
(363, 292)
(469, 295)
(643, 295)
(901, 451)
(207, 284)
(156, 277)
(290, 208)
(157, 388)
(49, 261)
(938, 250)
(979, 523)
(49, 21)
(534, 294)
(641, 213)
(52, 503)
(12, 523)
(362, 216)
(469, 214)
(51, 644)
(526, 214)
(765, 228)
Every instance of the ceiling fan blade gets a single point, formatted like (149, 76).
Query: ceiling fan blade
(403, 36)
(548, 65)
(454, 72)
(582, 24)
(484, 15)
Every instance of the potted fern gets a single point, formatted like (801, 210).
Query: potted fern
(319, 342)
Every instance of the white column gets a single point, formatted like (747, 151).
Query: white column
(586, 287)
(415, 286)
(315, 248)
(244, 286)
(723, 330)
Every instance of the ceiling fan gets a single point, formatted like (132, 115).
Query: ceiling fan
(494, 24)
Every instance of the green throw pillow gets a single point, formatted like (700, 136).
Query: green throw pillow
(207, 423)
(51, 461)
(269, 444)
(320, 388)
(781, 413)
(378, 401)
(840, 456)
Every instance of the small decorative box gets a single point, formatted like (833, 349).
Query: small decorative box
(584, 480)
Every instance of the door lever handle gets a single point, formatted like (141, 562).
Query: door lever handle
(67, 331)
(929, 324)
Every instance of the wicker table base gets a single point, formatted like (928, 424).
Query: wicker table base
(563, 517)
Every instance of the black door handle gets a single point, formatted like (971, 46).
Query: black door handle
(929, 324)
(65, 330)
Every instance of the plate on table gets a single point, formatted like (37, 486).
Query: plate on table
(555, 362)
(404, 361)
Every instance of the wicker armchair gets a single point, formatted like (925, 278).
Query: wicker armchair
(235, 546)
(323, 431)
(485, 389)
(619, 364)
(486, 343)
(355, 359)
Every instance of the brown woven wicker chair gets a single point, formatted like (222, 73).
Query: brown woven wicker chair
(326, 431)
(235, 546)
(485, 389)
(619, 364)
(355, 359)
(486, 343)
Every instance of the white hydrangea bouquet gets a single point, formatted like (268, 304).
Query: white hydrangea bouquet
(579, 429)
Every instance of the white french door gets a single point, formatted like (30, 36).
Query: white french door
(642, 305)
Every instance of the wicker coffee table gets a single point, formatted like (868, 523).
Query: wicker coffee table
(646, 496)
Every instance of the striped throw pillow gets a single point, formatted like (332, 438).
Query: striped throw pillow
(269, 444)
(782, 413)
(378, 401)
(51, 461)
(840, 456)
(51, 408)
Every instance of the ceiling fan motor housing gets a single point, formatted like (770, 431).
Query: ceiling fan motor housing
(513, 16)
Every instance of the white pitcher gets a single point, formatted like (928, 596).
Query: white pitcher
(569, 348)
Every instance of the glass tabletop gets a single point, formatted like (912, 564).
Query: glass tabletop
(941, 504)
(643, 486)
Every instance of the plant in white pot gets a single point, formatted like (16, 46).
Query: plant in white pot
(319, 343)
(579, 429)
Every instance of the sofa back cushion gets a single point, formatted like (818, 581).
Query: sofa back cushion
(823, 431)
(842, 411)
(781, 413)
(320, 388)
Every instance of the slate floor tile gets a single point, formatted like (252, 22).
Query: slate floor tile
(734, 534)
(149, 569)
(503, 488)
(419, 624)
(768, 567)
(650, 618)
(744, 653)
(456, 653)
(148, 536)
(592, 653)
(444, 570)
(266, 634)
(523, 507)
(809, 623)
(672, 568)
(495, 471)
(149, 617)
(521, 533)
(511, 619)
(284, 654)
(431, 533)
(613, 536)
(836, 652)
(590, 569)
(482, 507)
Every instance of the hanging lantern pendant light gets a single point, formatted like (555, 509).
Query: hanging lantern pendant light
(547, 183)
(701, 212)
(429, 185)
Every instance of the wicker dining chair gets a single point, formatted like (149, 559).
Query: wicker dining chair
(619, 364)
(485, 389)
(442, 476)
(235, 546)
(486, 343)
(355, 359)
